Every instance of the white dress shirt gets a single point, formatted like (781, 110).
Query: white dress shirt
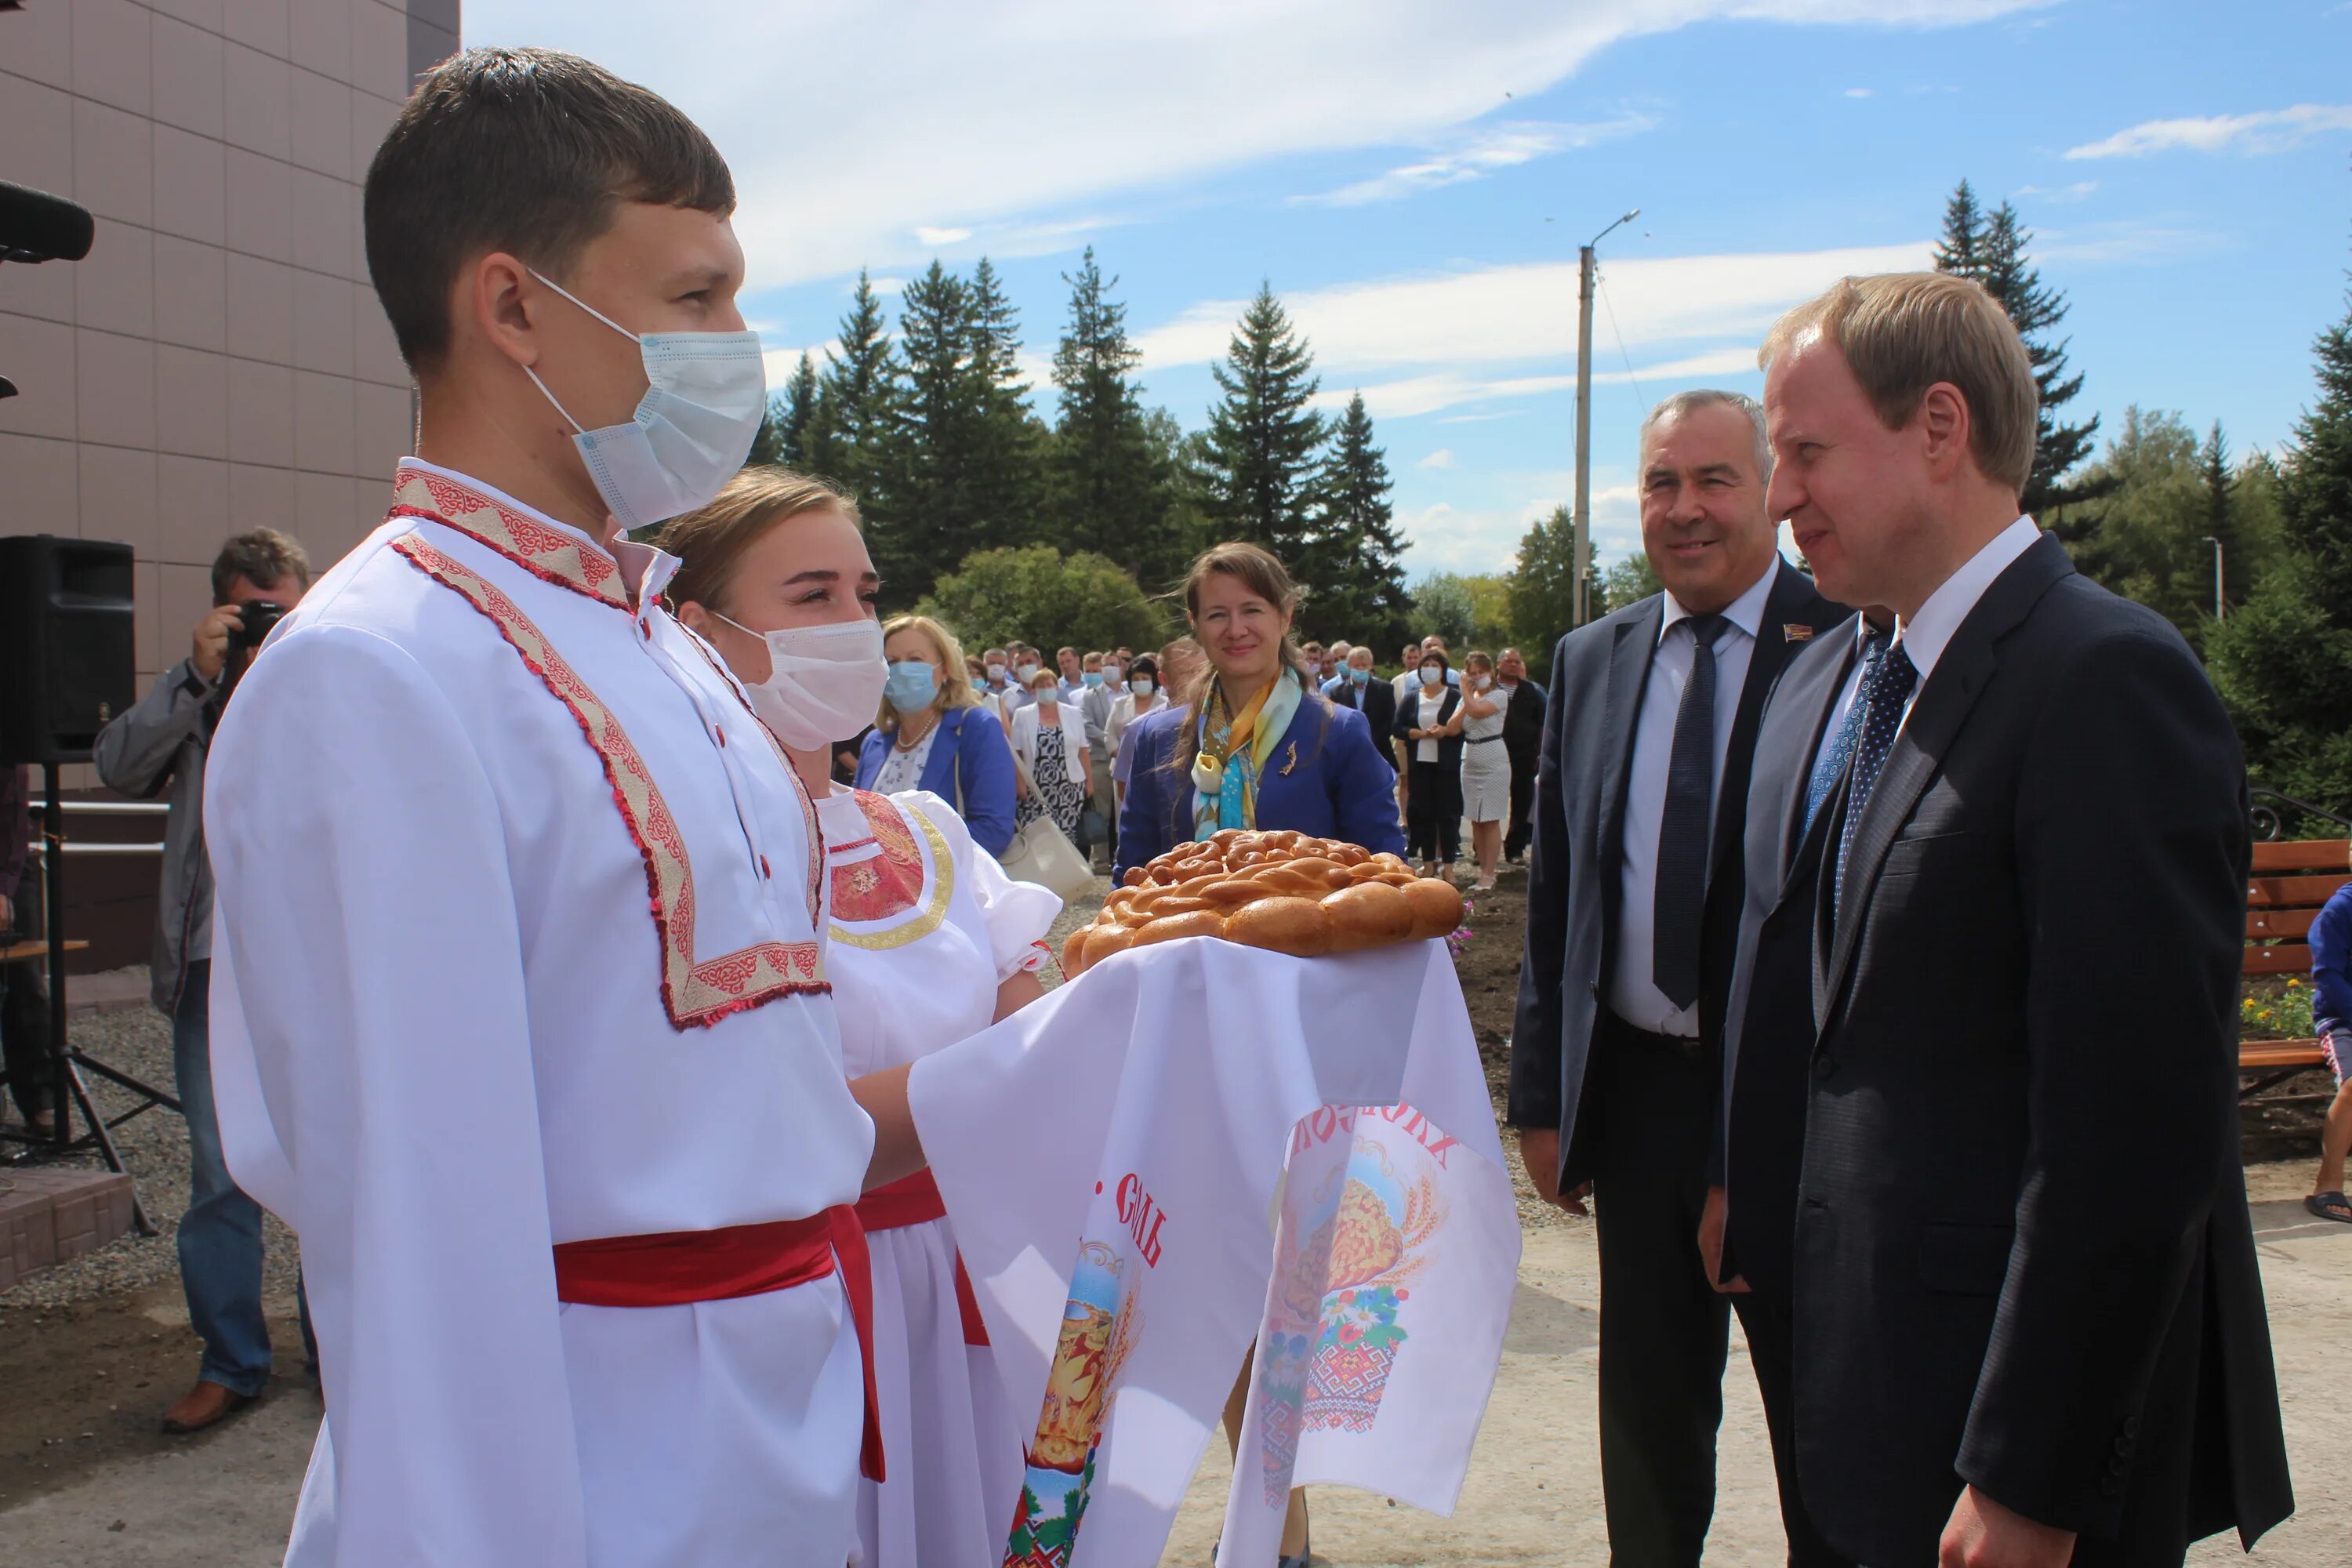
(1632, 994)
(1926, 635)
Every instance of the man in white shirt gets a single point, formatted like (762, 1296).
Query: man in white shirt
(2026, 944)
(519, 1007)
(1632, 899)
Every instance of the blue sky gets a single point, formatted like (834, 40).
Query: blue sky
(1415, 179)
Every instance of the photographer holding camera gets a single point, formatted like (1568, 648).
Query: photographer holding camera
(157, 744)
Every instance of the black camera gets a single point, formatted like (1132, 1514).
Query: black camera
(254, 621)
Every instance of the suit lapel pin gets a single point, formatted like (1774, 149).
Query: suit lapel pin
(1796, 631)
(1290, 759)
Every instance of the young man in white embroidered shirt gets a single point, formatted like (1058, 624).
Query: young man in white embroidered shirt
(520, 1014)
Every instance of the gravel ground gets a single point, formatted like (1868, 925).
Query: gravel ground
(154, 1150)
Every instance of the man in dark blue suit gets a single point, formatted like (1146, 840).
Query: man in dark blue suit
(2025, 927)
(1632, 907)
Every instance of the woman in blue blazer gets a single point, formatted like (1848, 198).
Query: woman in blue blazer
(933, 734)
(1253, 745)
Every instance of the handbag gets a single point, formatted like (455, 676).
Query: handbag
(1042, 854)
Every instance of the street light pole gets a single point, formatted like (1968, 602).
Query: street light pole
(1586, 267)
(2221, 602)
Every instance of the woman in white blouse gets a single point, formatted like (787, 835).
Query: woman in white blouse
(1049, 747)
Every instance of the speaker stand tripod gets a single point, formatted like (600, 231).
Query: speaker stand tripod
(69, 1090)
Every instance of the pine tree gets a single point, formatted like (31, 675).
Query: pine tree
(2221, 514)
(1991, 250)
(1110, 490)
(849, 439)
(1005, 477)
(1352, 564)
(1262, 434)
(796, 414)
(936, 427)
(1543, 586)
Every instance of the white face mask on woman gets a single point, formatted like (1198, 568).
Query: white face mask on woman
(1431, 674)
(825, 683)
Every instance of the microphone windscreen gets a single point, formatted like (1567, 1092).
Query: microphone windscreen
(41, 226)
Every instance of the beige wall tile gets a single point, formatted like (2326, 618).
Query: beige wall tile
(191, 185)
(377, 351)
(118, 497)
(384, 430)
(40, 47)
(113, 163)
(183, 596)
(203, 13)
(114, 285)
(192, 515)
(191, 293)
(322, 423)
(260, 205)
(35, 127)
(146, 622)
(115, 388)
(323, 124)
(189, 70)
(372, 119)
(110, 52)
(191, 402)
(320, 34)
(46, 291)
(258, 24)
(41, 484)
(261, 413)
(371, 499)
(261, 308)
(323, 323)
(40, 360)
(259, 116)
(379, 49)
(322, 518)
(259, 497)
(326, 213)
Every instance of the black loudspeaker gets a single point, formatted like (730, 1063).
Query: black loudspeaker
(68, 656)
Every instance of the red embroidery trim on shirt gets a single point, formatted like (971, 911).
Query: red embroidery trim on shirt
(885, 884)
(694, 994)
(545, 552)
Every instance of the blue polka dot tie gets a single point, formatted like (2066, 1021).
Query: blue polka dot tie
(1896, 676)
(1839, 752)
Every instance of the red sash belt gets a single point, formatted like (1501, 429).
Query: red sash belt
(678, 1267)
(914, 1200)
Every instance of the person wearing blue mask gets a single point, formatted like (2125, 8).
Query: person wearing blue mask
(1375, 699)
(1093, 698)
(926, 735)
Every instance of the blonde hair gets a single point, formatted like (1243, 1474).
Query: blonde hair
(955, 682)
(709, 542)
(1901, 332)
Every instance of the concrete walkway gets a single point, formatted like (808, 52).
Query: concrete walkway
(1533, 1494)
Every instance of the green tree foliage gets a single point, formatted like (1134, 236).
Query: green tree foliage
(1040, 595)
(784, 429)
(1628, 581)
(850, 437)
(1355, 586)
(1263, 435)
(1991, 249)
(2283, 660)
(1110, 480)
(1470, 612)
(1007, 454)
(1541, 587)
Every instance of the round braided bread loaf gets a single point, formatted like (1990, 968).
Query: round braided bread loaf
(1282, 891)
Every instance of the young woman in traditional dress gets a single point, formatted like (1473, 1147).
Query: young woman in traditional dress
(929, 943)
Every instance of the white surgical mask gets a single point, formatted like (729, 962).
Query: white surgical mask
(825, 683)
(705, 394)
(1431, 674)
(1140, 686)
(1027, 675)
(1482, 682)
(995, 674)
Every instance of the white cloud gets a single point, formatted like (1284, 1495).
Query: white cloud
(1476, 153)
(2060, 196)
(1471, 539)
(936, 237)
(1512, 314)
(886, 285)
(1857, 92)
(2270, 130)
(1440, 458)
(1017, 111)
(2124, 242)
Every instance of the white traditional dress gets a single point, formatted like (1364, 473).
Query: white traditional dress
(520, 1014)
(925, 927)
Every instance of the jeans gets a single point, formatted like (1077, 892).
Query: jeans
(220, 1235)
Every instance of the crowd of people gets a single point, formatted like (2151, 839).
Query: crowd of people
(634, 1273)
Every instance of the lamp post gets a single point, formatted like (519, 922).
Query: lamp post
(2221, 602)
(1587, 267)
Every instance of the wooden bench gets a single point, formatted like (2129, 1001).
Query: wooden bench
(32, 952)
(2291, 881)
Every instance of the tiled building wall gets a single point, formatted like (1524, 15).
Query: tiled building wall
(219, 360)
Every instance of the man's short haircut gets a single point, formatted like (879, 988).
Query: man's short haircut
(263, 557)
(524, 151)
(1698, 397)
(1901, 332)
